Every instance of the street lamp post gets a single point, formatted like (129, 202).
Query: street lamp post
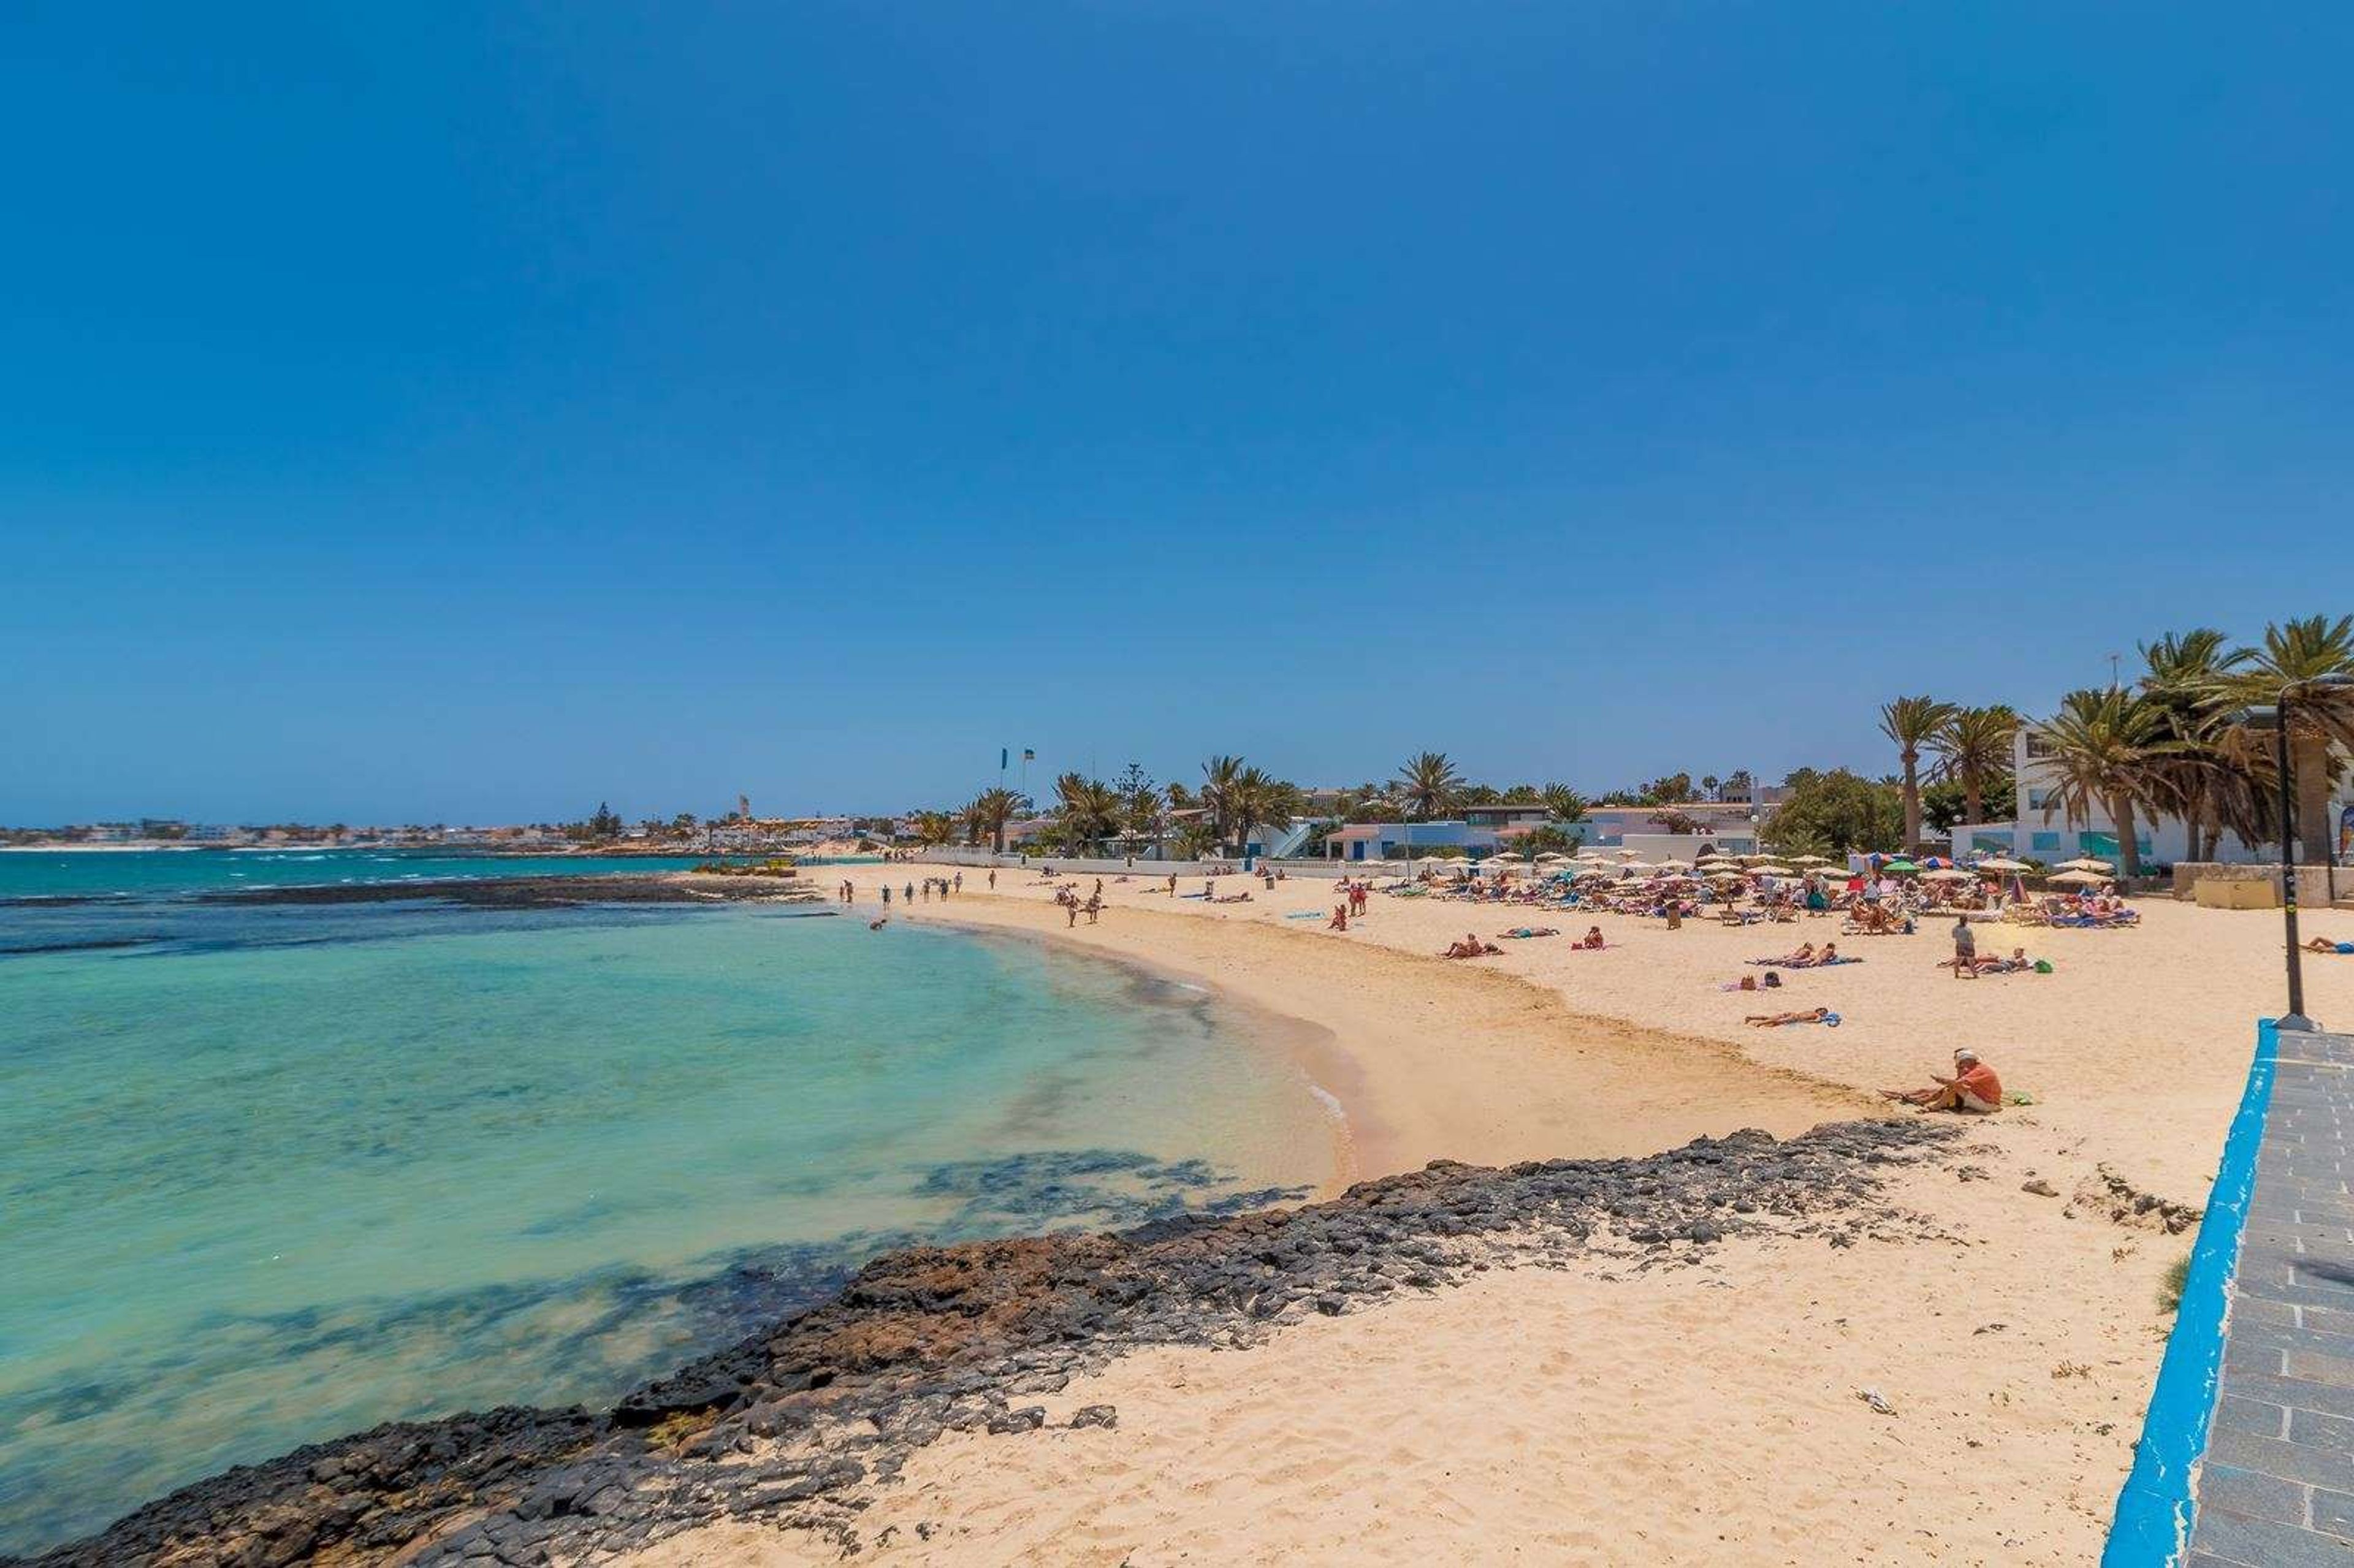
(2295, 1018)
(2278, 713)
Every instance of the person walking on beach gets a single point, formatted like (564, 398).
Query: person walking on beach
(1966, 950)
(960, 882)
(886, 895)
(908, 893)
(992, 879)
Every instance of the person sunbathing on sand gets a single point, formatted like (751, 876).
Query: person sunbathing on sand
(2324, 945)
(1750, 982)
(1802, 959)
(1775, 1020)
(1973, 1087)
(1520, 933)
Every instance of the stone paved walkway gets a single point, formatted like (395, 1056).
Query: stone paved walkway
(2276, 1488)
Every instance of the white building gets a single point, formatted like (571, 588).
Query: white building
(2043, 832)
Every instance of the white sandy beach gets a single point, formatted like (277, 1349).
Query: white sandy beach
(1609, 1413)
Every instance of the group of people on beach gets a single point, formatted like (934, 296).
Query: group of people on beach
(943, 886)
(1068, 895)
(1356, 897)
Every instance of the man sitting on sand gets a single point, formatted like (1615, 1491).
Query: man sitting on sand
(1775, 1020)
(1470, 947)
(1592, 941)
(1973, 1087)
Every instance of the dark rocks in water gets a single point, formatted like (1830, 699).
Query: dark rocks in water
(373, 1492)
(930, 1339)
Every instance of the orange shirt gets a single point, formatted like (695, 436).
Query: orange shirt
(1980, 1081)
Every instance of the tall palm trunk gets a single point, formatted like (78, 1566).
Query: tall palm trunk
(1973, 796)
(2310, 754)
(2121, 813)
(1912, 760)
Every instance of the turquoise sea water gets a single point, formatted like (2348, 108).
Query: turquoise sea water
(150, 873)
(271, 1175)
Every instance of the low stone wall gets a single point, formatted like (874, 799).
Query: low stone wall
(2240, 882)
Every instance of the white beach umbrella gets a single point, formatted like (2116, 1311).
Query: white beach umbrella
(2086, 863)
(1672, 865)
(1813, 859)
(1770, 869)
(2000, 865)
(1552, 857)
(1630, 854)
(2082, 876)
(1947, 874)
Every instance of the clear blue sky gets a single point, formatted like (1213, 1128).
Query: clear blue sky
(475, 412)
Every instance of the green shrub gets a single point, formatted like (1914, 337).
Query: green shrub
(2169, 1287)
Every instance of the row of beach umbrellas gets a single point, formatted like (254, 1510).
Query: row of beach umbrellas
(1730, 867)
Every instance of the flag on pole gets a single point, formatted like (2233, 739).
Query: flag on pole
(1000, 759)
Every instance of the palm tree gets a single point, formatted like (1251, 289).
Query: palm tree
(933, 828)
(2212, 777)
(1972, 746)
(2294, 654)
(1911, 723)
(1247, 805)
(991, 810)
(1090, 810)
(2106, 749)
(1563, 805)
(1219, 777)
(1428, 785)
